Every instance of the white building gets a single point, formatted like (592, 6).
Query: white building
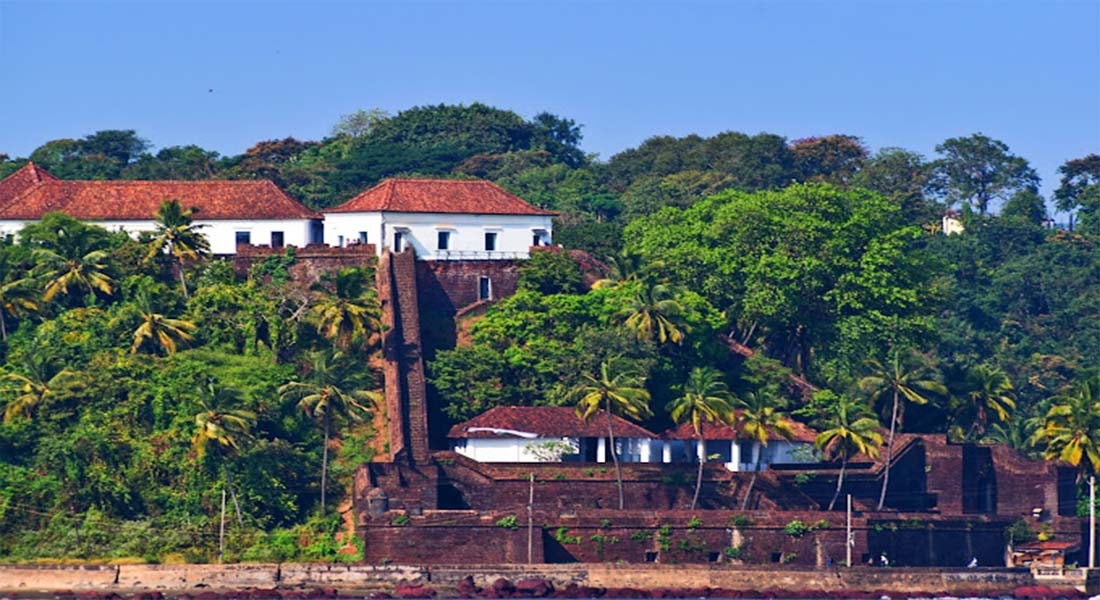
(440, 219)
(518, 434)
(722, 443)
(229, 212)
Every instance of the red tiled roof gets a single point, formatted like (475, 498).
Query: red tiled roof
(721, 431)
(439, 196)
(139, 200)
(547, 421)
(27, 177)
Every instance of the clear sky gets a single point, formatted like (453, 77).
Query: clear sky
(226, 75)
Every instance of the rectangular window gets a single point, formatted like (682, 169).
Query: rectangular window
(399, 241)
(444, 240)
(276, 239)
(537, 240)
(244, 237)
(362, 237)
(484, 289)
(490, 241)
(339, 241)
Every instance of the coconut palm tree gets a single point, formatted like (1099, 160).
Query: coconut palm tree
(704, 398)
(77, 261)
(909, 378)
(157, 330)
(332, 387)
(653, 313)
(350, 312)
(220, 426)
(760, 417)
(176, 235)
(17, 299)
(41, 379)
(617, 391)
(850, 430)
(988, 390)
(1072, 428)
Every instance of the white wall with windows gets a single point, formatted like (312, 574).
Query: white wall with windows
(223, 235)
(439, 236)
(566, 449)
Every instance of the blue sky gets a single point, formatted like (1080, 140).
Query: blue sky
(907, 74)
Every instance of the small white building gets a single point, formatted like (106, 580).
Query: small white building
(722, 443)
(518, 434)
(951, 223)
(440, 219)
(229, 212)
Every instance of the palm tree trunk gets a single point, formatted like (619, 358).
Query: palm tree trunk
(324, 465)
(3, 328)
(615, 458)
(699, 476)
(183, 281)
(889, 451)
(752, 482)
(839, 483)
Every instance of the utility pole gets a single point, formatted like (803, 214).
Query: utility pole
(848, 541)
(1092, 521)
(221, 532)
(531, 519)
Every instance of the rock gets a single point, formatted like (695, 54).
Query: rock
(414, 590)
(466, 587)
(503, 588)
(534, 587)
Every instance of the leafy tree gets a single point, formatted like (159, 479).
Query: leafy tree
(616, 392)
(1071, 431)
(834, 158)
(1079, 190)
(902, 176)
(907, 378)
(359, 123)
(332, 388)
(1027, 206)
(760, 417)
(560, 137)
(976, 170)
(178, 236)
(176, 163)
(551, 271)
(849, 430)
(17, 296)
(704, 398)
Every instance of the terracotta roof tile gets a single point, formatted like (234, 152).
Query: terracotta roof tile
(28, 176)
(439, 196)
(719, 431)
(547, 421)
(139, 200)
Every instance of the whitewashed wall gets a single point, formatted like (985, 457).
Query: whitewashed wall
(222, 234)
(505, 449)
(515, 233)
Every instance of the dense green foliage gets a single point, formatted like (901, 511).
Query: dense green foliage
(130, 407)
(764, 262)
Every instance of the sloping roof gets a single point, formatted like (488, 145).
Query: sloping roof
(27, 177)
(140, 200)
(547, 421)
(439, 196)
(721, 431)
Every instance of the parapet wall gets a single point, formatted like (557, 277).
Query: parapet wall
(311, 261)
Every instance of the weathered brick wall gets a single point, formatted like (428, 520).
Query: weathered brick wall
(447, 286)
(311, 262)
(391, 371)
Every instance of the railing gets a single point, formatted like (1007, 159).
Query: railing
(478, 255)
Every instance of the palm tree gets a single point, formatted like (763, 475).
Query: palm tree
(1072, 428)
(219, 425)
(332, 388)
(617, 392)
(624, 268)
(40, 381)
(759, 419)
(653, 313)
(166, 332)
(988, 389)
(902, 378)
(704, 399)
(851, 430)
(351, 312)
(76, 268)
(178, 236)
(16, 299)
